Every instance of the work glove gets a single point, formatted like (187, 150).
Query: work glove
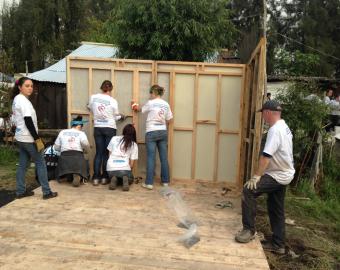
(134, 106)
(40, 144)
(252, 182)
(122, 117)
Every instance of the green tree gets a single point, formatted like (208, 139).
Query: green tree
(188, 30)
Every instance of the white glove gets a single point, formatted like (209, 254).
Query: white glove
(252, 182)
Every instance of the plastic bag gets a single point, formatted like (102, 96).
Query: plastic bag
(186, 219)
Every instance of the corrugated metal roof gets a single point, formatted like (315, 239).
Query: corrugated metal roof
(57, 72)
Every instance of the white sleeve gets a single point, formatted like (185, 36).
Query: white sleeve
(272, 142)
(84, 141)
(169, 114)
(146, 107)
(57, 143)
(134, 152)
(111, 144)
(89, 106)
(25, 109)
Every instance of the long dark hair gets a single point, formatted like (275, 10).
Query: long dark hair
(129, 136)
(19, 82)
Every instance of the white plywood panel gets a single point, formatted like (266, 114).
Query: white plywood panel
(79, 89)
(184, 100)
(205, 148)
(175, 67)
(207, 94)
(95, 63)
(222, 69)
(164, 81)
(140, 65)
(98, 76)
(228, 157)
(123, 86)
(145, 81)
(182, 155)
(230, 103)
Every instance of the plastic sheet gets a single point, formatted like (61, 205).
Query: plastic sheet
(186, 219)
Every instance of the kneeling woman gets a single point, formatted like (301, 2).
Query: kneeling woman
(123, 152)
(72, 143)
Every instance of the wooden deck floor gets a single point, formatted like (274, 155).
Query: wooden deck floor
(95, 228)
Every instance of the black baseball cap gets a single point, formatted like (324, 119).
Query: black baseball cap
(271, 105)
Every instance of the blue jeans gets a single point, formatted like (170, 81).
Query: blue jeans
(26, 152)
(159, 139)
(275, 204)
(102, 138)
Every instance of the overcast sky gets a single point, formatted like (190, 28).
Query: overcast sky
(9, 2)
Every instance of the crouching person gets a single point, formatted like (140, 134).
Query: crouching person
(123, 151)
(72, 143)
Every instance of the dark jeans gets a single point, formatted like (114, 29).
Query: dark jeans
(275, 206)
(157, 139)
(119, 175)
(26, 152)
(102, 137)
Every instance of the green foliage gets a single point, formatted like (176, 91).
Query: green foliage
(8, 155)
(188, 30)
(296, 63)
(305, 116)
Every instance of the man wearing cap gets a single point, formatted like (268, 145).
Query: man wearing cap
(275, 171)
(72, 143)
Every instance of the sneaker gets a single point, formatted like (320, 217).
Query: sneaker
(76, 180)
(113, 183)
(269, 246)
(50, 195)
(126, 183)
(165, 184)
(95, 182)
(27, 193)
(150, 187)
(244, 236)
(105, 181)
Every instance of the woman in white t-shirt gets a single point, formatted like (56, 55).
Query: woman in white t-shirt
(158, 114)
(27, 138)
(72, 143)
(123, 152)
(105, 114)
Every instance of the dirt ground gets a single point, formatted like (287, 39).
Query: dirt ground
(310, 244)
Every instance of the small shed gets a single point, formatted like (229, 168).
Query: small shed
(215, 134)
(50, 98)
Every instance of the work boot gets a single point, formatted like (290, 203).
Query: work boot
(269, 246)
(113, 183)
(50, 195)
(76, 180)
(244, 236)
(126, 183)
(27, 193)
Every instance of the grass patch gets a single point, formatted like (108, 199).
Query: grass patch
(8, 155)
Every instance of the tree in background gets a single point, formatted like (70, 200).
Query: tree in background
(188, 30)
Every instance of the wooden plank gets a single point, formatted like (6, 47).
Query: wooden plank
(68, 89)
(172, 89)
(71, 233)
(218, 119)
(194, 134)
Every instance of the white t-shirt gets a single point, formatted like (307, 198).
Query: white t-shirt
(335, 107)
(279, 145)
(327, 100)
(21, 108)
(71, 139)
(105, 110)
(119, 158)
(158, 113)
